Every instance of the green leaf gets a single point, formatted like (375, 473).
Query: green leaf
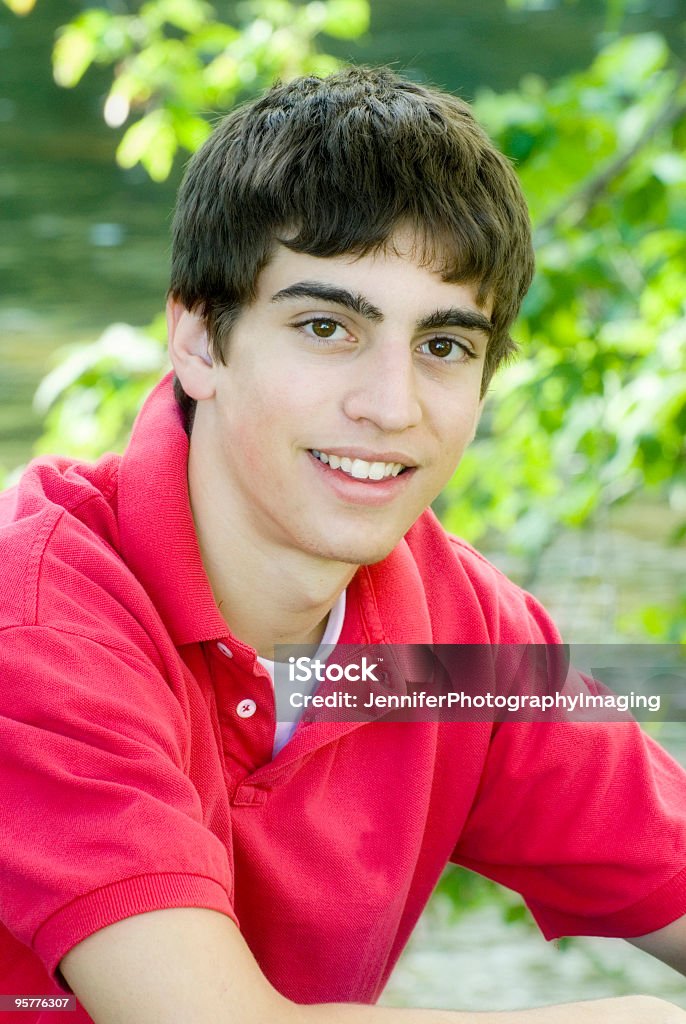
(95, 35)
(213, 38)
(20, 7)
(346, 19)
(191, 131)
(632, 59)
(74, 52)
(187, 15)
(152, 142)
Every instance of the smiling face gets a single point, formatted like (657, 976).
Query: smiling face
(351, 391)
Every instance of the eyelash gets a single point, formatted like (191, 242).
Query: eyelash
(330, 319)
(466, 351)
(319, 320)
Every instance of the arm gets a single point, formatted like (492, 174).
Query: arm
(192, 966)
(667, 944)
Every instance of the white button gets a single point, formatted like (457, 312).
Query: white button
(246, 708)
(225, 650)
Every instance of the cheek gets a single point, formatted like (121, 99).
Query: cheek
(456, 431)
(454, 437)
(255, 431)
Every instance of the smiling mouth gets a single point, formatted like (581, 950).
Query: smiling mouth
(360, 469)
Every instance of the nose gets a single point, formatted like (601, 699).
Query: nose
(384, 389)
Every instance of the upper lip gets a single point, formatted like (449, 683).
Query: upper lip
(368, 456)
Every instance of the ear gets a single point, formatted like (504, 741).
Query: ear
(189, 350)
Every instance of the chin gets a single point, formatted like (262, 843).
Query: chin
(358, 554)
(352, 544)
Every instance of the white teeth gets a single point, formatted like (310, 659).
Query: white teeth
(360, 469)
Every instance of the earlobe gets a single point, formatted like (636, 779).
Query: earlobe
(189, 350)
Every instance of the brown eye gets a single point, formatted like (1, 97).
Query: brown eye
(324, 328)
(440, 347)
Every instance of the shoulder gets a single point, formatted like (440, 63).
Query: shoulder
(58, 514)
(61, 558)
(473, 600)
(79, 639)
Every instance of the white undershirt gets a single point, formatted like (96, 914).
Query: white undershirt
(334, 626)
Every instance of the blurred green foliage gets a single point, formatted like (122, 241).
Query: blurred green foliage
(92, 396)
(176, 61)
(595, 412)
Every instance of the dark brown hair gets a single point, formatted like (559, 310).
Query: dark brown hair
(335, 166)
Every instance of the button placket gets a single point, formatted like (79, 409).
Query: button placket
(245, 706)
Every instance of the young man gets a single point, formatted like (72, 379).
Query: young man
(349, 256)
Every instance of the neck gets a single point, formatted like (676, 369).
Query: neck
(268, 593)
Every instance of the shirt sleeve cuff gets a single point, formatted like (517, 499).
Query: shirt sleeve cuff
(654, 911)
(127, 898)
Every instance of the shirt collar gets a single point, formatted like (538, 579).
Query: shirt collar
(157, 532)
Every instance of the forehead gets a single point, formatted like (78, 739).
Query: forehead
(394, 276)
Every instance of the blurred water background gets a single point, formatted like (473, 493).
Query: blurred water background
(84, 243)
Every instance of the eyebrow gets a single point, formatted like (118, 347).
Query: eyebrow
(453, 316)
(330, 293)
(456, 316)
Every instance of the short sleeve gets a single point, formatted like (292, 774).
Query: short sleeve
(587, 821)
(99, 818)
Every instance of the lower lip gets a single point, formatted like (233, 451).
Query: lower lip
(362, 492)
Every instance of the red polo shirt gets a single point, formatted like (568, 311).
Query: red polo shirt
(130, 783)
